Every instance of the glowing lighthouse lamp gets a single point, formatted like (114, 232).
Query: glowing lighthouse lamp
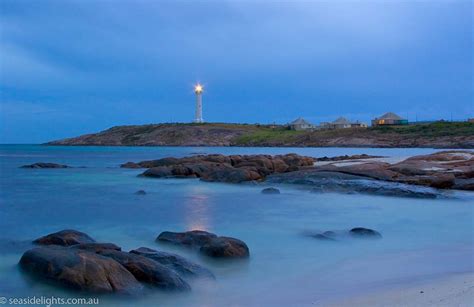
(198, 89)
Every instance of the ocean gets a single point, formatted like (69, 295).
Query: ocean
(422, 238)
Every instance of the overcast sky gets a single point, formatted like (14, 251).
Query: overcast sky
(74, 67)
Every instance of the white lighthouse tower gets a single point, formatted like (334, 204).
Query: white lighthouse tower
(198, 89)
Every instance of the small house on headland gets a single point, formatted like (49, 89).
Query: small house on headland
(389, 119)
(300, 124)
(342, 123)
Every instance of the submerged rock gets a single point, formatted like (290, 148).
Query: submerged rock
(147, 270)
(45, 165)
(208, 243)
(78, 269)
(65, 237)
(357, 232)
(271, 191)
(175, 262)
(364, 232)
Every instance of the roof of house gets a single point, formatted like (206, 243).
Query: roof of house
(300, 121)
(390, 115)
(341, 121)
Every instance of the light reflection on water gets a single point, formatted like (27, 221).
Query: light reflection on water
(421, 237)
(196, 210)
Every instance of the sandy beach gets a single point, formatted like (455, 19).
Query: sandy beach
(450, 290)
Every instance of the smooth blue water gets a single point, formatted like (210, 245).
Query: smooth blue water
(421, 238)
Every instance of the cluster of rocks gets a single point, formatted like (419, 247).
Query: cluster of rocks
(221, 168)
(74, 260)
(442, 170)
(357, 232)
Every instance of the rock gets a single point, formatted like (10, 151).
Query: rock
(270, 191)
(194, 238)
(78, 269)
(65, 237)
(364, 233)
(337, 182)
(181, 265)
(130, 165)
(234, 168)
(147, 270)
(232, 175)
(45, 165)
(140, 192)
(96, 247)
(208, 243)
(225, 247)
(464, 184)
(158, 172)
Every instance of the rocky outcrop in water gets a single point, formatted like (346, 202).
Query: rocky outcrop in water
(221, 168)
(208, 243)
(72, 259)
(442, 170)
(361, 232)
(45, 165)
(357, 233)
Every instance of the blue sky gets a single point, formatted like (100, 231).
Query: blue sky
(74, 67)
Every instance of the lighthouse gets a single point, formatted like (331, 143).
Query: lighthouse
(198, 89)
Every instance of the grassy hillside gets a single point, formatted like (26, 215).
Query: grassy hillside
(440, 135)
(285, 136)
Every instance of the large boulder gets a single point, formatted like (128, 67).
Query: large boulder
(147, 270)
(175, 262)
(225, 247)
(45, 165)
(208, 243)
(194, 238)
(65, 237)
(78, 269)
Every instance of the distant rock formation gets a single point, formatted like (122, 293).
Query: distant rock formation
(234, 168)
(45, 165)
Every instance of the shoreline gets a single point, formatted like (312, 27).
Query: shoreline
(454, 289)
(256, 146)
